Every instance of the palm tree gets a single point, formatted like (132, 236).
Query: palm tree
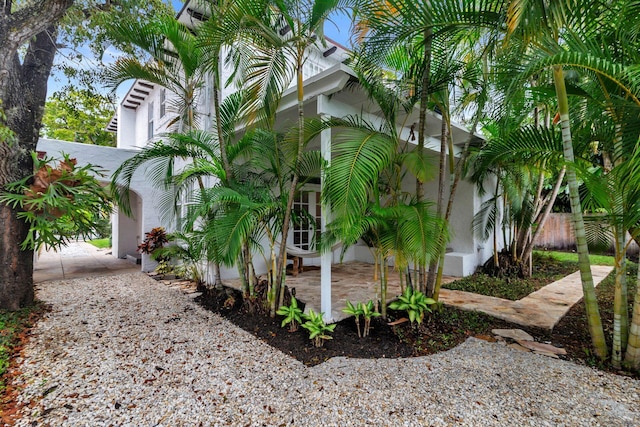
(536, 28)
(280, 32)
(373, 161)
(425, 31)
(594, 41)
(174, 62)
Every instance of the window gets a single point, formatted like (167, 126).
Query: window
(150, 123)
(163, 102)
(304, 231)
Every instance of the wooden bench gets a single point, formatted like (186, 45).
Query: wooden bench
(297, 264)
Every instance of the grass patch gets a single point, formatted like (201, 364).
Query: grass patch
(12, 324)
(547, 268)
(573, 257)
(100, 243)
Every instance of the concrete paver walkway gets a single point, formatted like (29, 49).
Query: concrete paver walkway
(79, 259)
(541, 309)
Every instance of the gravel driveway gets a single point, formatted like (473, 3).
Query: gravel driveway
(127, 351)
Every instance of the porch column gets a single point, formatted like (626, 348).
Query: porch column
(326, 258)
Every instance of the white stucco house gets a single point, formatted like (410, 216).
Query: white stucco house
(329, 91)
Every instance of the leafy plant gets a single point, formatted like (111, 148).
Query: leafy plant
(318, 330)
(367, 311)
(153, 240)
(356, 312)
(186, 252)
(293, 315)
(164, 267)
(60, 201)
(415, 303)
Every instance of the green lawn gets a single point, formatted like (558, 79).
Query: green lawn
(573, 257)
(548, 266)
(100, 243)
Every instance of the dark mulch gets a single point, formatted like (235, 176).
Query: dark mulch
(443, 329)
(572, 330)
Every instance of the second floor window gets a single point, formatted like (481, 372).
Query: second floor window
(150, 122)
(163, 102)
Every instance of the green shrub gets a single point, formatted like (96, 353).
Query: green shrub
(318, 330)
(415, 303)
(293, 315)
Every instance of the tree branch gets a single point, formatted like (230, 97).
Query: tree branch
(28, 21)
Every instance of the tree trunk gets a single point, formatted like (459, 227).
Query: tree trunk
(620, 315)
(590, 300)
(282, 255)
(16, 278)
(24, 93)
(542, 218)
(433, 263)
(422, 128)
(452, 195)
(632, 356)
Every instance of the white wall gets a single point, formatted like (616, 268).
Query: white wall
(109, 159)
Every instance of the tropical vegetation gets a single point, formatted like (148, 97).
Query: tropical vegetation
(552, 86)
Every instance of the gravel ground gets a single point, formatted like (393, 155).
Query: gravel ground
(127, 351)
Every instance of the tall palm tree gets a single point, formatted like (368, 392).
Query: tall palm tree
(169, 58)
(537, 28)
(364, 181)
(281, 32)
(387, 28)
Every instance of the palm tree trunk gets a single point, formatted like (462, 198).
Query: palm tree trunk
(282, 256)
(542, 218)
(216, 106)
(620, 301)
(433, 263)
(590, 300)
(632, 356)
(384, 280)
(620, 313)
(422, 128)
(452, 194)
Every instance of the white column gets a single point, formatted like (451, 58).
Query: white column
(327, 257)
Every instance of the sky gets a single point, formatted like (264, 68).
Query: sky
(337, 28)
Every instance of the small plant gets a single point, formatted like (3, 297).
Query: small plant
(318, 330)
(153, 240)
(367, 311)
(293, 315)
(164, 267)
(356, 312)
(415, 303)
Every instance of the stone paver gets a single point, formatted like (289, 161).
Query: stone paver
(541, 309)
(514, 334)
(79, 259)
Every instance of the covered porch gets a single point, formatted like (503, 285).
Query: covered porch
(353, 281)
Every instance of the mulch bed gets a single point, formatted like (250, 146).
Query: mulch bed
(441, 330)
(438, 332)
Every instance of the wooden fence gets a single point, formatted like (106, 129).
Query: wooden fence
(558, 234)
